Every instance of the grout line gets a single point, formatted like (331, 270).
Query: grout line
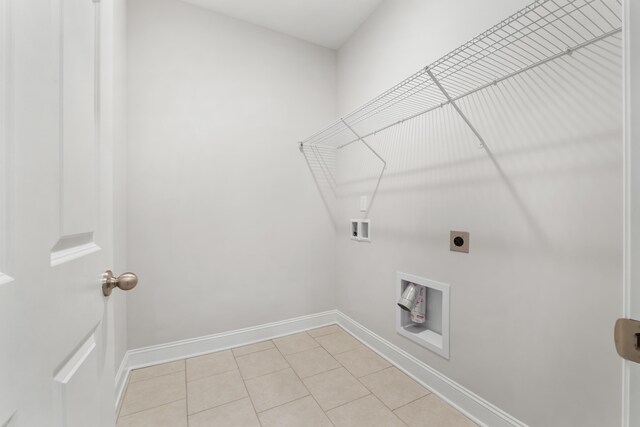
(264, 375)
(371, 392)
(354, 400)
(244, 382)
(252, 352)
(341, 330)
(300, 351)
(222, 404)
(382, 401)
(153, 407)
(157, 376)
(251, 400)
(211, 375)
(409, 403)
(321, 327)
(327, 371)
(246, 390)
(308, 391)
(282, 404)
(341, 366)
(377, 397)
(340, 352)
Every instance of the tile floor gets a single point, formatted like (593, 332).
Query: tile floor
(322, 377)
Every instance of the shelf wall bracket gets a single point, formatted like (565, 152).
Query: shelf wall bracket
(455, 106)
(384, 163)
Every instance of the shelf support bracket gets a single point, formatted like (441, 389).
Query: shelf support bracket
(384, 163)
(455, 106)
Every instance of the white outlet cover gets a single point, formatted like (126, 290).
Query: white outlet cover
(363, 203)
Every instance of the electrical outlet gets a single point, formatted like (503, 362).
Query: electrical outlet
(459, 241)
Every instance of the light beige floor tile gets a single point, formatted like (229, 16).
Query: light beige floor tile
(156, 371)
(393, 387)
(367, 411)
(261, 363)
(275, 389)
(147, 394)
(210, 364)
(431, 411)
(338, 342)
(169, 415)
(303, 412)
(295, 343)
(235, 414)
(325, 330)
(312, 362)
(334, 388)
(362, 361)
(252, 348)
(215, 390)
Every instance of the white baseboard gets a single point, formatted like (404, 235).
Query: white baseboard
(467, 402)
(162, 353)
(122, 377)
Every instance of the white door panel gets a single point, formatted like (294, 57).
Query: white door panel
(79, 162)
(56, 357)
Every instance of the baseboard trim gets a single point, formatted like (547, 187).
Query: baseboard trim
(479, 410)
(473, 406)
(122, 377)
(162, 353)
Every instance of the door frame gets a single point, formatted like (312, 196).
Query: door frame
(631, 211)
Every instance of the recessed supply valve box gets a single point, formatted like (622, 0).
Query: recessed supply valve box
(361, 230)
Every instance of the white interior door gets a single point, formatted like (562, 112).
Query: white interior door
(632, 198)
(56, 360)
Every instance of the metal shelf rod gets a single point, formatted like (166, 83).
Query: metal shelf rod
(568, 51)
(458, 110)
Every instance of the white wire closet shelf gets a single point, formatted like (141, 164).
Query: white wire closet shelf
(539, 33)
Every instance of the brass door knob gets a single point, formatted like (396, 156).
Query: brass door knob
(126, 282)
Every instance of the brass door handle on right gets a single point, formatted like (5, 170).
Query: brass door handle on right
(126, 282)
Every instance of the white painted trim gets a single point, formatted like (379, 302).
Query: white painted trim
(75, 362)
(628, 191)
(467, 402)
(122, 379)
(177, 350)
(66, 255)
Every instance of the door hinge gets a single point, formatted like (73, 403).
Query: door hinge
(627, 337)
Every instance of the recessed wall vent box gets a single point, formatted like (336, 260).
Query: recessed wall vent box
(361, 230)
(433, 334)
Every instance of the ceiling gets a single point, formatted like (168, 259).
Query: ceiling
(327, 23)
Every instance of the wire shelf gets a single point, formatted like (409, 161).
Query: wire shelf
(539, 33)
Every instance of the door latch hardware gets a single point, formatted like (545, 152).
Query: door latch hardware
(126, 282)
(627, 338)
